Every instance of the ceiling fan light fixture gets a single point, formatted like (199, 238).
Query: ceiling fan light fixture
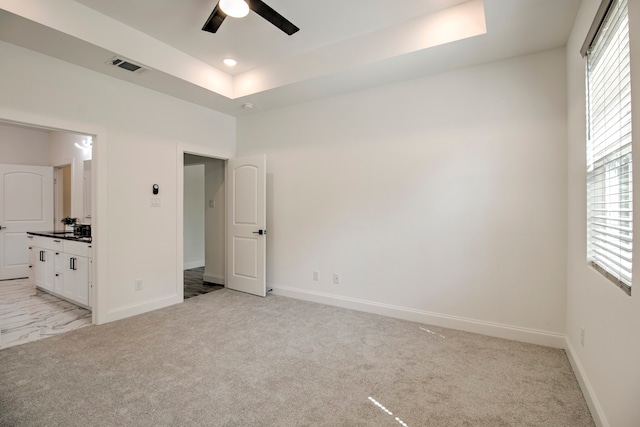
(234, 8)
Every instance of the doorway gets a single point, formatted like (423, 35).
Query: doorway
(53, 148)
(241, 183)
(203, 225)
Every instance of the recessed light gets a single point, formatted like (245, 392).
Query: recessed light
(230, 62)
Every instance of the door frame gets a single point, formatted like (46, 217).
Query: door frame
(196, 150)
(98, 190)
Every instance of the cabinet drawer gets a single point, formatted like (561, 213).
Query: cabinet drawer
(47, 243)
(77, 248)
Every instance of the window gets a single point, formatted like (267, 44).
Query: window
(609, 169)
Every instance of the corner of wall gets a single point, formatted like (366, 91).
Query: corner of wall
(587, 390)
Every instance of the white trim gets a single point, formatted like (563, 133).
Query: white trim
(147, 306)
(597, 412)
(212, 278)
(498, 330)
(181, 150)
(193, 264)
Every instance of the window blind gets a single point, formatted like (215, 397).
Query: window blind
(609, 167)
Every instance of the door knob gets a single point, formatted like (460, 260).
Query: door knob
(261, 232)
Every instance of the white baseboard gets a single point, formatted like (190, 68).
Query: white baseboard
(212, 278)
(589, 395)
(144, 307)
(193, 264)
(533, 336)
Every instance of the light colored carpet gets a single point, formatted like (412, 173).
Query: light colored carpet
(231, 359)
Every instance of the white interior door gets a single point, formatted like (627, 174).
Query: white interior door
(26, 204)
(246, 224)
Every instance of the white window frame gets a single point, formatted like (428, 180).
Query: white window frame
(609, 145)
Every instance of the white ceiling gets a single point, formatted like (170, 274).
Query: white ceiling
(342, 45)
(253, 41)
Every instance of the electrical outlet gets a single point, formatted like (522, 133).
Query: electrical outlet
(336, 279)
(316, 276)
(582, 336)
(138, 284)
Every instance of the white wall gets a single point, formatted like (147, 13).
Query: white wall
(23, 146)
(194, 208)
(215, 221)
(440, 199)
(141, 130)
(609, 362)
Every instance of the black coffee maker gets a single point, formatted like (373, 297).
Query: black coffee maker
(82, 230)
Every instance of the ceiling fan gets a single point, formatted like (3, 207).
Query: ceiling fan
(240, 8)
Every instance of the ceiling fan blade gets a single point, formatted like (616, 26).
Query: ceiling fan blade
(215, 20)
(264, 10)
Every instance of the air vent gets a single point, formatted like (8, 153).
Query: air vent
(125, 64)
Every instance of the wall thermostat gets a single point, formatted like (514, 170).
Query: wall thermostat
(155, 188)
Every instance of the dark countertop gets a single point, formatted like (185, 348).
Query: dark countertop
(65, 235)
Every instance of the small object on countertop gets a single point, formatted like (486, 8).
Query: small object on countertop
(69, 221)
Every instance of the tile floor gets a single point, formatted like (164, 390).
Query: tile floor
(28, 314)
(194, 284)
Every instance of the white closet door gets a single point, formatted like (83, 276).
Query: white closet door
(26, 204)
